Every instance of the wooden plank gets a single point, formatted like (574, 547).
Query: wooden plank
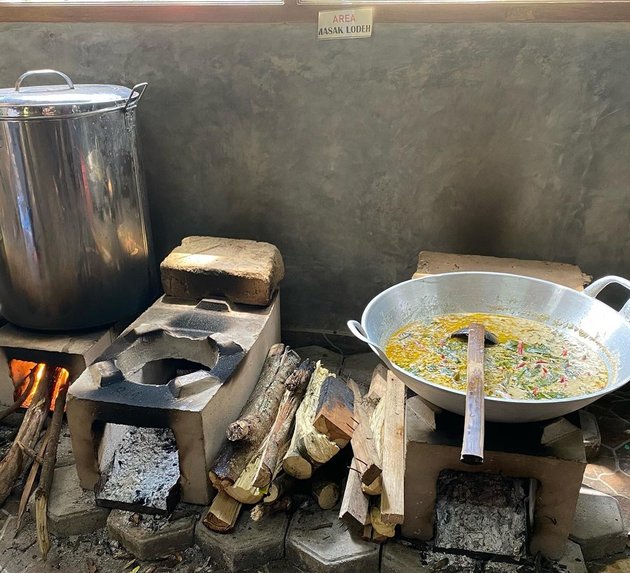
(355, 505)
(335, 413)
(378, 385)
(433, 263)
(309, 446)
(393, 476)
(363, 442)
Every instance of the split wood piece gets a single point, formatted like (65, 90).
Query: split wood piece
(382, 528)
(30, 480)
(370, 534)
(260, 511)
(294, 462)
(335, 412)
(280, 486)
(355, 505)
(265, 397)
(223, 513)
(15, 406)
(363, 443)
(233, 457)
(307, 444)
(295, 387)
(12, 464)
(393, 496)
(42, 493)
(243, 489)
(374, 488)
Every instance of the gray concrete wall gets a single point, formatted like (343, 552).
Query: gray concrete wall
(351, 156)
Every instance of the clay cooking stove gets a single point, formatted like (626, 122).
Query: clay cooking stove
(148, 416)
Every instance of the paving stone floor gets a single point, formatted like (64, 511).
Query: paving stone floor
(610, 472)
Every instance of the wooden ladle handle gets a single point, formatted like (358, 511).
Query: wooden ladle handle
(472, 446)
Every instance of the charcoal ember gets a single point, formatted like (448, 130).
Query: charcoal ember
(143, 475)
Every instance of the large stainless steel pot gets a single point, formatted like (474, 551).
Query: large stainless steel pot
(497, 293)
(74, 238)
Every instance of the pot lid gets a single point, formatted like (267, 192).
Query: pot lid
(64, 100)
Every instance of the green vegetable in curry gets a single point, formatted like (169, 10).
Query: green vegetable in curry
(531, 361)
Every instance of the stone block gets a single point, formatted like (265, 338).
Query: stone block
(251, 544)
(318, 542)
(399, 556)
(71, 509)
(598, 525)
(573, 560)
(152, 537)
(243, 271)
(432, 263)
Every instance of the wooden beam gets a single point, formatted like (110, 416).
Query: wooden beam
(393, 476)
(363, 442)
(355, 505)
(292, 11)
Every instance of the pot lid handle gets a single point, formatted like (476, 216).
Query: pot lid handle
(137, 92)
(599, 285)
(25, 75)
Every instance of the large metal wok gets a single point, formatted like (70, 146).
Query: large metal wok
(559, 307)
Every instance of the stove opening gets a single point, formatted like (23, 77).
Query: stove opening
(163, 370)
(26, 377)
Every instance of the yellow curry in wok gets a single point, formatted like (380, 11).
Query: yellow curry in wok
(531, 360)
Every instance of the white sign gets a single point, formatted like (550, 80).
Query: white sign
(336, 24)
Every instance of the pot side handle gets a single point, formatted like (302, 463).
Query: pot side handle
(356, 329)
(137, 92)
(599, 285)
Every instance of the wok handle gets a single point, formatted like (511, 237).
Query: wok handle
(356, 329)
(599, 285)
(472, 446)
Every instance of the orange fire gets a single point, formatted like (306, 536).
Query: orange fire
(22, 373)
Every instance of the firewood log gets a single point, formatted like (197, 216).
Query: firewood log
(374, 488)
(309, 446)
(243, 489)
(384, 529)
(12, 464)
(260, 511)
(223, 513)
(335, 412)
(235, 456)
(279, 487)
(265, 397)
(42, 493)
(326, 493)
(283, 424)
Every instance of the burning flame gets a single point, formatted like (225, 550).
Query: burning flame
(22, 373)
